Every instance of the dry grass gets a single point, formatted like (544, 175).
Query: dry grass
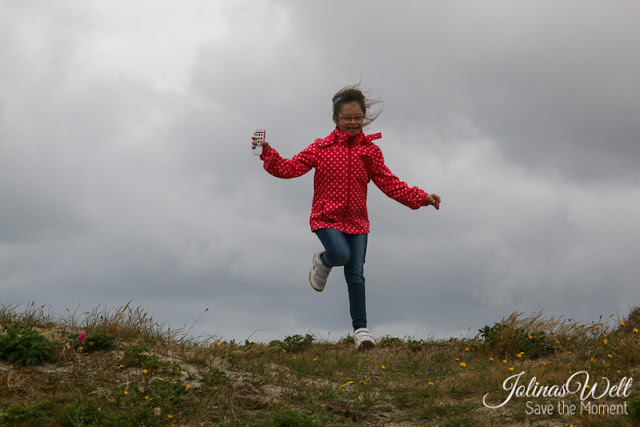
(160, 376)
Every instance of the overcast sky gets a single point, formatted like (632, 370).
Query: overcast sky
(126, 172)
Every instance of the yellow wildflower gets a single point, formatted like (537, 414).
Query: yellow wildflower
(464, 365)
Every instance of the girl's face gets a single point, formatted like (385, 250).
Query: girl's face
(350, 118)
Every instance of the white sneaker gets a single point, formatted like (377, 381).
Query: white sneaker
(319, 273)
(363, 339)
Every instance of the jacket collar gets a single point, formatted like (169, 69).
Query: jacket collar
(342, 137)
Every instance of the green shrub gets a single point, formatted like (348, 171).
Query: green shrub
(347, 340)
(23, 346)
(23, 414)
(134, 356)
(164, 393)
(505, 338)
(94, 342)
(135, 353)
(151, 363)
(634, 410)
(388, 341)
(148, 400)
(214, 377)
(293, 343)
(247, 344)
(297, 343)
(289, 418)
(416, 345)
(92, 413)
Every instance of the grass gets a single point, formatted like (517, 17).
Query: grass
(120, 367)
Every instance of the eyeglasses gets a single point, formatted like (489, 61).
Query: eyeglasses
(359, 118)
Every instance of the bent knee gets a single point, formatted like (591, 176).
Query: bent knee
(339, 258)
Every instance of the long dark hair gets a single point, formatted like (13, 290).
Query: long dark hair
(353, 93)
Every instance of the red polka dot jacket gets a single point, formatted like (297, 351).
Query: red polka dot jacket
(344, 166)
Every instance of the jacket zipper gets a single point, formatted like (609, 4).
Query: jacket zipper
(346, 214)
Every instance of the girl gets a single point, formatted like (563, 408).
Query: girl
(345, 162)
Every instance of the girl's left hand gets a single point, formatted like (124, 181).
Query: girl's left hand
(433, 199)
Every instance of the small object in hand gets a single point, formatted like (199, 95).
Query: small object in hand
(258, 137)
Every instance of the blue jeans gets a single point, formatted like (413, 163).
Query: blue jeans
(348, 250)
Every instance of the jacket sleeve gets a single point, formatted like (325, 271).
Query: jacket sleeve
(389, 184)
(298, 165)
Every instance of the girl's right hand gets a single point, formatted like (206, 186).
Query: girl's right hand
(254, 143)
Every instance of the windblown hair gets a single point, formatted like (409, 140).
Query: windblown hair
(353, 93)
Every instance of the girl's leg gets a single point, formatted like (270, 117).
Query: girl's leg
(354, 274)
(336, 247)
(349, 250)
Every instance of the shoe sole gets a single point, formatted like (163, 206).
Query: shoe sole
(313, 260)
(314, 288)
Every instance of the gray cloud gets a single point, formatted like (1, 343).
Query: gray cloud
(553, 85)
(125, 173)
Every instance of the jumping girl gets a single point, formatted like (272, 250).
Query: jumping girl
(345, 162)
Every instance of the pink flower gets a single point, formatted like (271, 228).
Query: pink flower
(82, 337)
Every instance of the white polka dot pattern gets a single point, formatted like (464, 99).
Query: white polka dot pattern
(344, 166)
